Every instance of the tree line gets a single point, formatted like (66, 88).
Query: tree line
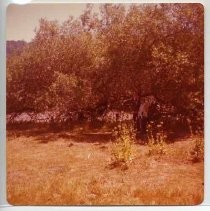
(110, 58)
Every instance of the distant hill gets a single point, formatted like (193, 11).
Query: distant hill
(15, 46)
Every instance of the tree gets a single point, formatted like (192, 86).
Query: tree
(96, 61)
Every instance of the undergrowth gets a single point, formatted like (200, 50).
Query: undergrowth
(122, 151)
(156, 139)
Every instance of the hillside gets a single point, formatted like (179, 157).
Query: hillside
(14, 46)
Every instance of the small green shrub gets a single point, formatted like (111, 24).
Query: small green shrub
(124, 137)
(197, 152)
(156, 139)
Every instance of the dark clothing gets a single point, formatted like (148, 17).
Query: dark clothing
(153, 113)
(136, 106)
(142, 121)
(143, 124)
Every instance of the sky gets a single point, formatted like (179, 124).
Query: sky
(23, 19)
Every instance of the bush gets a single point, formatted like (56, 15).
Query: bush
(197, 152)
(124, 137)
(156, 139)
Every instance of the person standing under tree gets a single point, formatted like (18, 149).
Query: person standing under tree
(135, 113)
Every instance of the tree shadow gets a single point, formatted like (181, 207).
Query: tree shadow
(43, 133)
(78, 138)
(142, 139)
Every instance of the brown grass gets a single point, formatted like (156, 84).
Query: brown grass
(57, 169)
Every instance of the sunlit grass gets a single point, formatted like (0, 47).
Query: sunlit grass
(64, 171)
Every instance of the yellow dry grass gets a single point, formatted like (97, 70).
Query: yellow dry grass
(63, 169)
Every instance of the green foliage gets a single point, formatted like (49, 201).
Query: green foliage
(111, 56)
(197, 152)
(156, 139)
(124, 138)
(70, 86)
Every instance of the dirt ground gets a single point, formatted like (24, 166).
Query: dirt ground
(67, 168)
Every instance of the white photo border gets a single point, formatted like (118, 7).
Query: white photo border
(3, 202)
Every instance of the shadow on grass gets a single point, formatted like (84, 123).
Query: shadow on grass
(171, 137)
(44, 133)
(77, 132)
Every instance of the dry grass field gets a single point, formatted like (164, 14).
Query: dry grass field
(68, 168)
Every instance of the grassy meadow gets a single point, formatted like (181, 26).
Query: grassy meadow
(74, 167)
